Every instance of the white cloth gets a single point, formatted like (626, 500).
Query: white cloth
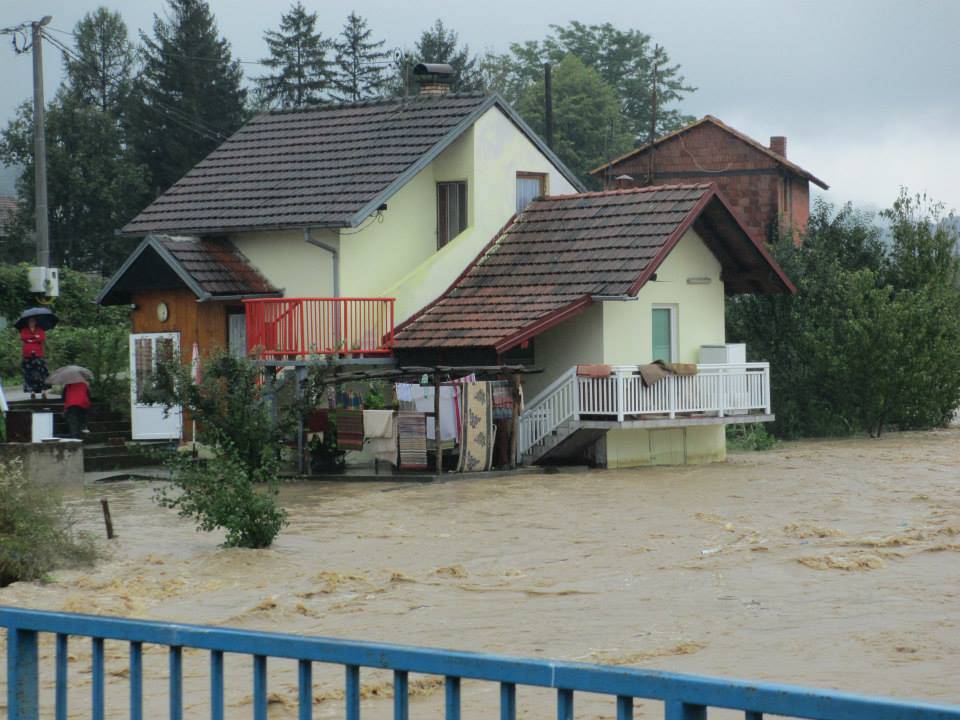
(4, 408)
(422, 399)
(380, 434)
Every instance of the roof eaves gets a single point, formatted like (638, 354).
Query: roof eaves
(403, 178)
(121, 271)
(233, 229)
(544, 323)
(175, 265)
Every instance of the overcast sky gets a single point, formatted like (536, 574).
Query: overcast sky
(866, 91)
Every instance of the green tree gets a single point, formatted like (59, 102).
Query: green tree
(361, 62)
(94, 184)
(236, 490)
(872, 338)
(440, 44)
(588, 126)
(298, 56)
(100, 71)
(188, 97)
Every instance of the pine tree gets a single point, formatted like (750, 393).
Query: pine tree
(439, 44)
(298, 57)
(361, 62)
(188, 98)
(99, 73)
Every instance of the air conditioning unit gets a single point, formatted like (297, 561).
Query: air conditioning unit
(44, 280)
(728, 354)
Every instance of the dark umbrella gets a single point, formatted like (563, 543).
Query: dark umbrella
(69, 374)
(45, 318)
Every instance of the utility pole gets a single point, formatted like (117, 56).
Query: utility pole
(42, 228)
(653, 115)
(548, 104)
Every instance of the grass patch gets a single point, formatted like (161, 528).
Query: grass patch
(36, 531)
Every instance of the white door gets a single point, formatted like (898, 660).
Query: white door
(152, 422)
(237, 334)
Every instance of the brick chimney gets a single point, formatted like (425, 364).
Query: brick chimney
(433, 78)
(778, 143)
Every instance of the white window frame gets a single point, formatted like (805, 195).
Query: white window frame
(674, 309)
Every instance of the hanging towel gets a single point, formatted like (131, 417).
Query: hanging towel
(597, 371)
(654, 372)
(449, 407)
(380, 432)
(476, 452)
(682, 368)
(350, 429)
(412, 432)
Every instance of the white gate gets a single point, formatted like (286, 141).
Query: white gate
(152, 422)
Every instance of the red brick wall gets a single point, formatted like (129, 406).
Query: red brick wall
(757, 198)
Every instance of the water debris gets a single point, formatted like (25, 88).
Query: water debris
(453, 571)
(803, 532)
(640, 657)
(844, 562)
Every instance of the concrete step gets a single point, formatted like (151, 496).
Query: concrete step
(106, 457)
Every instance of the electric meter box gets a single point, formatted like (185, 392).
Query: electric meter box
(44, 280)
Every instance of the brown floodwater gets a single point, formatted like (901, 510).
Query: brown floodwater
(833, 564)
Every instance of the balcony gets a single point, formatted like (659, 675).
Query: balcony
(302, 328)
(716, 394)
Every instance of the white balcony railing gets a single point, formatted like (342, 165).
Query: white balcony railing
(718, 390)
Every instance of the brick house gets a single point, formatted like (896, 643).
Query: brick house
(764, 188)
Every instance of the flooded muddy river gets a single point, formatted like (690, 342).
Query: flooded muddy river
(834, 564)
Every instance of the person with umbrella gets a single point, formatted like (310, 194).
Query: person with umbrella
(33, 325)
(76, 396)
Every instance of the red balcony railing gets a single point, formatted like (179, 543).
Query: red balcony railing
(290, 328)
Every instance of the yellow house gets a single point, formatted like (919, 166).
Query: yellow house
(594, 287)
(439, 229)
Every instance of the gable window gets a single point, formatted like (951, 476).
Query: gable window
(451, 211)
(530, 186)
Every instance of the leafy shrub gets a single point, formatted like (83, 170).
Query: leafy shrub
(749, 436)
(104, 350)
(237, 490)
(36, 534)
(227, 493)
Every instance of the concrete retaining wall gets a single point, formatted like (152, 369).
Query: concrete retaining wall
(49, 462)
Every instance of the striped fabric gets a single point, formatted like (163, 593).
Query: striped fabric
(412, 431)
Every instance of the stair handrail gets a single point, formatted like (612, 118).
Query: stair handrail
(526, 441)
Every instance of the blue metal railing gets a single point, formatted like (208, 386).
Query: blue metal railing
(685, 697)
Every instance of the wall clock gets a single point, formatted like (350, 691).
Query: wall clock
(163, 312)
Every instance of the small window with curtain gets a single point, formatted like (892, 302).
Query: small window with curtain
(529, 187)
(451, 211)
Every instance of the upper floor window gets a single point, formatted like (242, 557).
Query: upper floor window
(530, 186)
(451, 211)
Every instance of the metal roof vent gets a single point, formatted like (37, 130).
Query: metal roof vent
(433, 78)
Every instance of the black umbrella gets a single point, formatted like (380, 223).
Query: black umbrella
(45, 318)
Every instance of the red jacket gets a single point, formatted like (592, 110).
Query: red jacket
(32, 341)
(76, 395)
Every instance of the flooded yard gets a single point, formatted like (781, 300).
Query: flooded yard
(833, 564)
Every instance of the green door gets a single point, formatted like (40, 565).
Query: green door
(662, 334)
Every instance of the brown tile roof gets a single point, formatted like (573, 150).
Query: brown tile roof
(212, 269)
(327, 166)
(563, 251)
(793, 167)
(217, 266)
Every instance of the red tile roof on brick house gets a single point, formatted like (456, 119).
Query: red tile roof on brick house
(793, 167)
(565, 252)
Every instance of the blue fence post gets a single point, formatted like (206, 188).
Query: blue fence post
(451, 691)
(401, 708)
(23, 694)
(136, 681)
(259, 687)
(305, 689)
(96, 661)
(216, 685)
(60, 703)
(624, 707)
(676, 710)
(508, 701)
(175, 660)
(352, 692)
(564, 704)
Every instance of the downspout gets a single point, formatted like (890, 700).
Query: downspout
(334, 253)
